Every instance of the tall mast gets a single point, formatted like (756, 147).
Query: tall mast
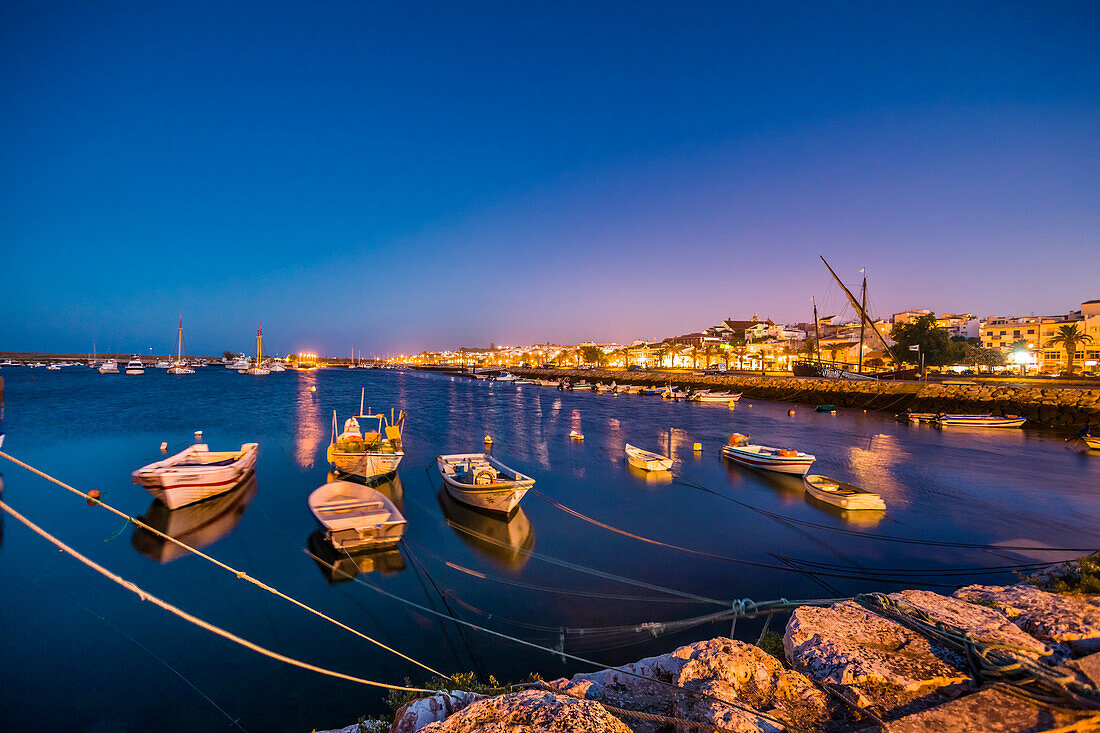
(862, 312)
(259, 331)
(817, 334)
(859, 369)
(179, 343)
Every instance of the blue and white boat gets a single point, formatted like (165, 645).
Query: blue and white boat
(979, 421)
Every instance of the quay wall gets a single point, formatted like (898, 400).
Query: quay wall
(1061, 407)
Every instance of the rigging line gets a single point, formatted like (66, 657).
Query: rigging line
(241, 575)
(941, 571)
(232, 721)
(870, 535)
(546, 589)
(569, 565)
(146, 596)
(555, 652)
(702, 553)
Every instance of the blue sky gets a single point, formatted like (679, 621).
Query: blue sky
(390, 177)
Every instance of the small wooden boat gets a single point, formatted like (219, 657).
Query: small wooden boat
(366, 453)
(770, 459)
(354, 516)
(646, 460)
(671, 393)
(483, 482)
(580, 385)
(707, 396)
(980, 421)
(918, 416)
(196, 473)
(601, 387)
(841, 494)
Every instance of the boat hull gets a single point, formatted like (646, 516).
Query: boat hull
(979, 422)
(365, 465)
(793, 465)
(500, 497)
(355, 526)
(843, 496)
(178, 486)
(647, 461)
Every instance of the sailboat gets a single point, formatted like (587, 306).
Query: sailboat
(179, 366)
(257, 370)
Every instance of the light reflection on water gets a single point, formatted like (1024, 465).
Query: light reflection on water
(1012, 487)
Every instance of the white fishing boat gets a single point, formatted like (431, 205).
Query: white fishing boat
(135, 366)
(979, 421)
(483, 482)
(707, 396)
(109, 367)
(366, 453)
(179, 366)
(356, 517)
(522, 380)
(256, 369)
(671, 393)
(275, 366)
(601, 387)
(781, 460)
(506, 377)
(582, 385)
(196, 473)
(841, 494)
(240, 364)
(646, 460)
(162, 364)
(53, 367)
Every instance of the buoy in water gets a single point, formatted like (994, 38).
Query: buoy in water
(575, 435)
(313, 388)
(198, 435)
(164, 446)
(697, 447)
(93, 495)
(790, 413)
(733, 404)
(488, 440)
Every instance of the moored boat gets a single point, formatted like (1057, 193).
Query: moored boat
(707, 396)
(770, 459)
(368, 453)
(109, 367)
(135, 366)
(671, 393)
(841, 494)
(196, 473)
(256, 369)
(483, 482)
(179, 366)
(979, 421)
(646, 460)
(354, 516)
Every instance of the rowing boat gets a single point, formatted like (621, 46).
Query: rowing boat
(646, 460)
(355, 516)
(196, 473)
(483, 482)
(980, 421)
(841, 494)
(708, 396)
(770, 459)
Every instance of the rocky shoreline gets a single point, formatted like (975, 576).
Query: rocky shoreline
(904, 662)
(1048, 407)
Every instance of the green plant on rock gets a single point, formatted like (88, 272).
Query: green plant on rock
(1079, 577)
(772, 643)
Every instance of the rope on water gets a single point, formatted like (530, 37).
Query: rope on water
(146, 596)
(240, 574)
(523, 642)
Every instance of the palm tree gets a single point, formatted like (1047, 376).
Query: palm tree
(708, 353)
(673, 351)
(1069, 337)
(622, 356)
(660, 353)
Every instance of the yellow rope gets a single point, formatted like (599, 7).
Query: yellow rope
(241, 575)
(146, 596)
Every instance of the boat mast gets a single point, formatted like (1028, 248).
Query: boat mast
(259, 331)
(859, 369)
(862, 312)
(179, 343)
(817, 334)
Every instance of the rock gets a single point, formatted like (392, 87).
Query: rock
(988, 711)
(371, 726)
(414, 715)
(1071, 622)
(984, 623)
(530, 711)
(872, 661)
(728, 670)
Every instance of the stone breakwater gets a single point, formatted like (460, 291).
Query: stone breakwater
(845, 668)
(1063, 407)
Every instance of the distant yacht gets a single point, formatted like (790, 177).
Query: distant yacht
(179, 366)
(109, 367)
(135, 366)
(256, 369)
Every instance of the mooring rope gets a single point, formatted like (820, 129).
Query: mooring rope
(240, 574)
(147, 596)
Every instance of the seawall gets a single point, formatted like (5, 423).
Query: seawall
(1050, 407)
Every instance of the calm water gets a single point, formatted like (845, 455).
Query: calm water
(80, 653)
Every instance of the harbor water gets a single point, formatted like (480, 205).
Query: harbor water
(601, 561)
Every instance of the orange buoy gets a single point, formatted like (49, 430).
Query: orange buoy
(790, 413)
(93, 497)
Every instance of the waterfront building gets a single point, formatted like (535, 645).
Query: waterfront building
(1030, 337)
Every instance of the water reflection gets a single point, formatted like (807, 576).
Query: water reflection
(339, 566)
(788, 488)
(653, 478)
(307, 412)
(874, 466)
(198, 525)
(505, 543)
(864, 519)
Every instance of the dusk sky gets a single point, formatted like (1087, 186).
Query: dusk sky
(397, 176)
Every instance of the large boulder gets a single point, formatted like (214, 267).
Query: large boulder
(710, 674)
(984, 624)
(416, 714)
(1070, 622)
(530, 711)
(872, 661)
